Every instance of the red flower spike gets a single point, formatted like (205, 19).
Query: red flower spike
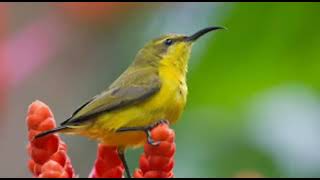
(107, 164)
(158, 161)
(48, 154)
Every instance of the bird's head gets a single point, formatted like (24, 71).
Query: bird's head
(170, 49)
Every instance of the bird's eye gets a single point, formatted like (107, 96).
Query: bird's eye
(168, 42)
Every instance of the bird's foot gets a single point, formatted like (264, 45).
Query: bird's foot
(147, 130)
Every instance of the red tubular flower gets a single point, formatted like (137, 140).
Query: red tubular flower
(49, 157)
(158, 161)
(107, 164)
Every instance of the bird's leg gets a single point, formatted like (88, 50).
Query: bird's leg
(122, 156)
(146, 129)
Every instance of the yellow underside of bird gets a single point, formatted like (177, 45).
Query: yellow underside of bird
(167, 104)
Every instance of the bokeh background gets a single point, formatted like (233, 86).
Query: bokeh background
(254, 91)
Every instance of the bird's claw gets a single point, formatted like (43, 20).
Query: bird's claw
(158, 123)
(147, 130)
(152, 142)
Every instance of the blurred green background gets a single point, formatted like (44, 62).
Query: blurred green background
(253, 106)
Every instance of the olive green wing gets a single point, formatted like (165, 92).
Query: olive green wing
(130, 88)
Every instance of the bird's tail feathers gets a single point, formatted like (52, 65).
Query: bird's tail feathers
(44, 133)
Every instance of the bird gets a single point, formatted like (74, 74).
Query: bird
(151, 91)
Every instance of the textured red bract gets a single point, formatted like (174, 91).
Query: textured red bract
(31, 134)
(144, 163)
(163, 148)
(138, 174)
(34, 120)
(51, 166)
(107, 164)
(40, 156)
(46, 125)
(156, 174)
(160, 133)
(169, 166)
(60, 157)
(48, 154)
(158, 161)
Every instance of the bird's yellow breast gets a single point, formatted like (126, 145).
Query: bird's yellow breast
(167, 104)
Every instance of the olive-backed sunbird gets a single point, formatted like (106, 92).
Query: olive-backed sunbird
(152, 89)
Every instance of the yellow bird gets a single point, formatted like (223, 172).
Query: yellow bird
(152, 90)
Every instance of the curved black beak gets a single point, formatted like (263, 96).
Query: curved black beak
(202, 32)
